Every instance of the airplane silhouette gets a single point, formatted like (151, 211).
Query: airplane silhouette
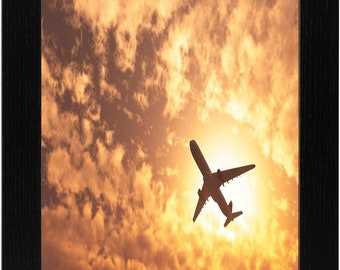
(212, 183)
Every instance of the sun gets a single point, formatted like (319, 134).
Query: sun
(241, 191)
(223, 151)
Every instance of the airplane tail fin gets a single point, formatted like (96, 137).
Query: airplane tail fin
(233, 216)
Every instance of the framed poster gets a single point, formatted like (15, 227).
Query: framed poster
(124, 88)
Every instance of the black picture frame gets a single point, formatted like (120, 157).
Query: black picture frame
(21, 134)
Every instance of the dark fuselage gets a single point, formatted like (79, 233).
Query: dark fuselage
(215, 193)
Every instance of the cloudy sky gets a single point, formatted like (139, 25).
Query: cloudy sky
(125, 86)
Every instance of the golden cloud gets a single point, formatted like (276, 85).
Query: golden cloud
(114, 206)
(175, 54)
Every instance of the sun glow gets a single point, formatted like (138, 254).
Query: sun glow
(241, 190)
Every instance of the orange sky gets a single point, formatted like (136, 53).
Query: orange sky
(125, 87)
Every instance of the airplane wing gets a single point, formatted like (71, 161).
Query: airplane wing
(203, 196)
(227, 175)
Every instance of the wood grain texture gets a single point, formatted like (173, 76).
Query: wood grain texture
(21, 131)
(319, 135)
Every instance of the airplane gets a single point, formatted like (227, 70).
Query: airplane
(212, 183)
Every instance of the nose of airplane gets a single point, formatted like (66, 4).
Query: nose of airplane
(192, 144)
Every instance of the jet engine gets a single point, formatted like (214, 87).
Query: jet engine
(220, 176)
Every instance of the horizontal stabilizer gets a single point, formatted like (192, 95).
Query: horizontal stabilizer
(233, 216)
